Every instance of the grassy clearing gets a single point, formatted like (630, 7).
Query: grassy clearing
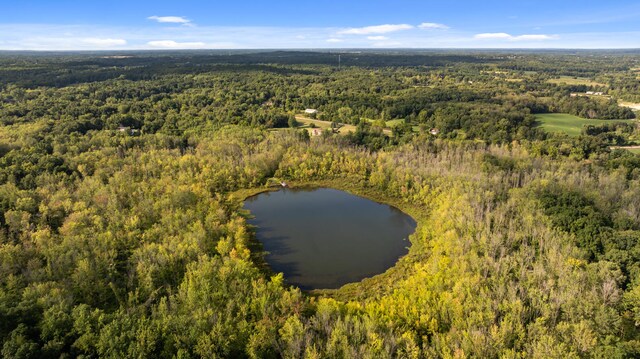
(394, 123)
(388, 125)
(631, 105)
(570, 80)
(632, 149)
(569, 124)
(305, 121)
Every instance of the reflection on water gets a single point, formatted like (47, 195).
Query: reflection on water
(324, 238)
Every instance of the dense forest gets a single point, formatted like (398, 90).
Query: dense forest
(123, 233)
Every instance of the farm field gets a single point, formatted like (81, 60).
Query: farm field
(569, 124)
(346, 128)
(569, 80)
(325, 124)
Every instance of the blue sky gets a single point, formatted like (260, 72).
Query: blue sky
(124, 25)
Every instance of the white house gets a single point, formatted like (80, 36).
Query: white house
(311, 111)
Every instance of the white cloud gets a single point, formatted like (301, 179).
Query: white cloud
(493, 35)
(378, 29)
(170, 19)
(505, 36)
(433, 25)
(51, 37)
(104, 42)
(170, 44)
(377, 38)
(332, 40)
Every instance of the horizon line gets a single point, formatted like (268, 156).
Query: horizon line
(327, 49)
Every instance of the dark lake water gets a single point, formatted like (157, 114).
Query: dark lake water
(325, 238)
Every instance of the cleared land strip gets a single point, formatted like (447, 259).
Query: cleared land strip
(344, 128)
(631, 105)
(632, 149)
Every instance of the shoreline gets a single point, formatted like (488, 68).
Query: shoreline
(367, 287)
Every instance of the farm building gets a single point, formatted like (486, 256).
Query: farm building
(311, 111)
(434, 131)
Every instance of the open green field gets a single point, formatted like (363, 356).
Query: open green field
(570, 80)
(346, 128)
(305, 121)
(633, 149)
(394, 123)
(569, 124)
(388, 124)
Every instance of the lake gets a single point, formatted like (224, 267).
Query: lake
(324, 238)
